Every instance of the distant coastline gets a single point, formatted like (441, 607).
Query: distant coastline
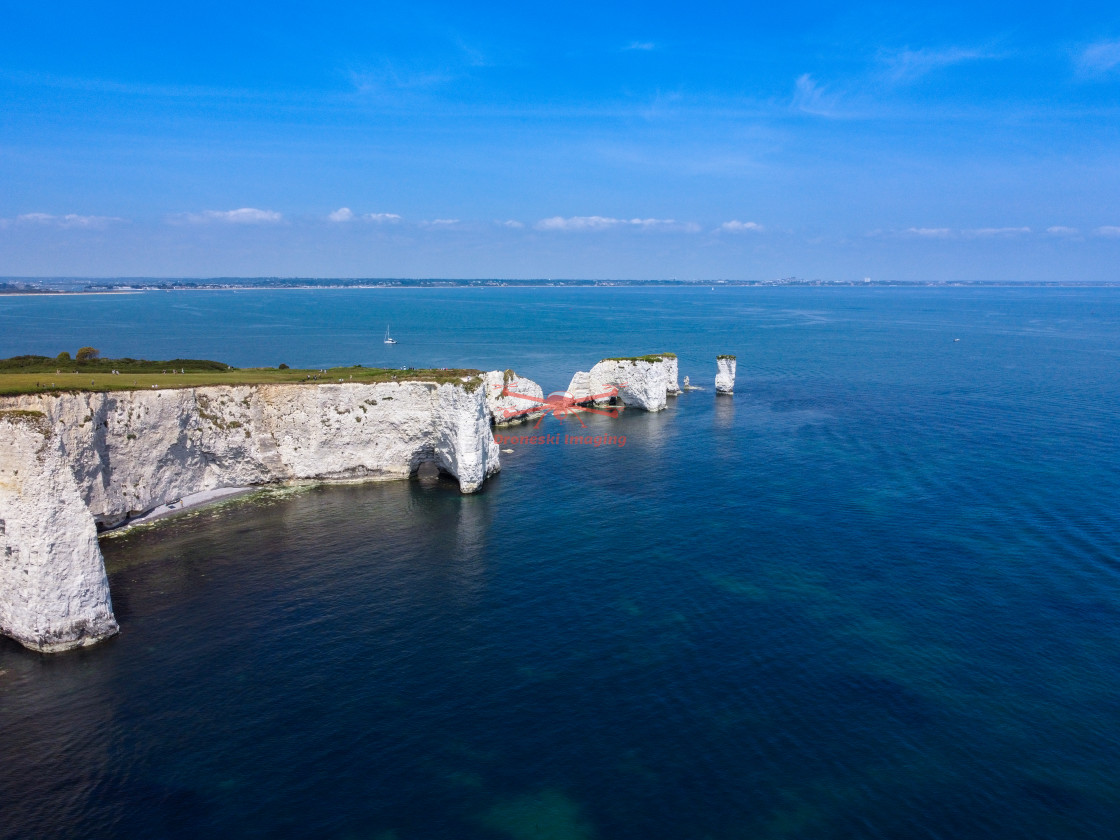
(23, 286)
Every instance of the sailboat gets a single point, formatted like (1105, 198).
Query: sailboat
(388, 338)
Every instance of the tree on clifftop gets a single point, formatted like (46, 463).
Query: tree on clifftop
(88, 354)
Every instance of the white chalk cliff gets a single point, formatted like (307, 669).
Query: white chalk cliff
(640, 383)
(512, 398)
(54, 594)
(580, 387)
(68, 461)
(725, 374)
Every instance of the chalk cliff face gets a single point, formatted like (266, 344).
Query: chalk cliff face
(640, 383)
(512, 398)
(69, 460)
(671, 373)
(580, 386)
(54, 594)
(725, 375)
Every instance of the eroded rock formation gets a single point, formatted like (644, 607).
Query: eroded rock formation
(72, 462)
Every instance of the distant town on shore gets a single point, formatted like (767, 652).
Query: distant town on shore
(80, 285)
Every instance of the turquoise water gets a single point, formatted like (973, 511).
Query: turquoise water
(874, 594)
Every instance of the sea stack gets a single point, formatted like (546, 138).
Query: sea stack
(640, 381)
(725, 374)
(512, 398)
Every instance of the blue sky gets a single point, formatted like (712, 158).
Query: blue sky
(962, 142)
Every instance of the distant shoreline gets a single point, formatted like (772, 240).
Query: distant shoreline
(22, 290)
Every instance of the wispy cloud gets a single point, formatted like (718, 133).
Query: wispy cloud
(987, 233)
(929, 232)
(812, 98)
(641, 46)
(1062, 230)
(1099, 59)
(909, 65)
(1108, 231)
(440, 223)
(241, 216)
(511, 223)
(345, 214)
(593, 223)
(69, 220)
(735, 226)
(392, 78)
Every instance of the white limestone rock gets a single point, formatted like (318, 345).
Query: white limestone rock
(671, 372)
(580, 387)
(641, 383)
(512, 398)
(54, 594)
(106, 457)
(725, 374)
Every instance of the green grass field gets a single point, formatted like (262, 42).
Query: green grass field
(37, 374)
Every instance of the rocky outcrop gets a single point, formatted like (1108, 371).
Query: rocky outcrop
(725, 374)
(671, 372)
(54, 594)
(580, 387)
(68, 461)
(512, 398)
(643, 382)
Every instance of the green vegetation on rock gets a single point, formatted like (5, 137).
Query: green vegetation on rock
(653, 358)
(41, 374)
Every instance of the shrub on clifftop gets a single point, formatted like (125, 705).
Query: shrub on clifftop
(87, 354)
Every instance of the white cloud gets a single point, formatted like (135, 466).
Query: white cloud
(811, 98)
(735, 226)
(578, 223)
(70, 220)
(345, 214)
(1061, 230)
(931, 233)
(908, 65)
(1099, 58)
(442, 222)
(644, 46)
(512, 223)
(241, 216)
(581, 223)
(1000, 231)
(392, 78)
(1109, 231)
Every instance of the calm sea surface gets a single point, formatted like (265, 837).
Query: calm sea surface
(875, 594)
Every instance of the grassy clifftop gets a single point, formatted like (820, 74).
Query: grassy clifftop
(652, 357)
(41, 374)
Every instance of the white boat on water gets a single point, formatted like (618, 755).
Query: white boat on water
(388, 338)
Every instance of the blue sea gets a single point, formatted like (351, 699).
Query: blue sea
(874, 594)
